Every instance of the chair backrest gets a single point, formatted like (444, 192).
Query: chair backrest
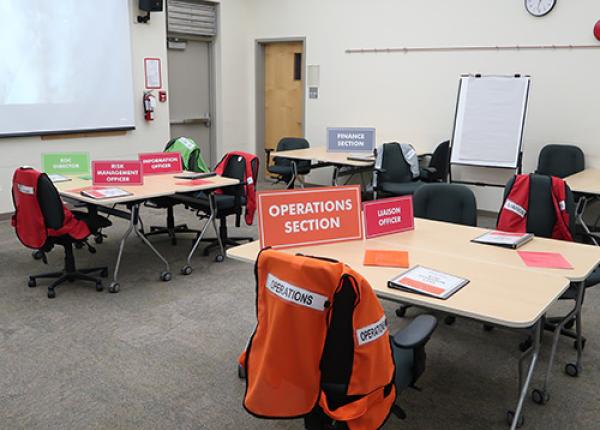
(236, 169)
(289, 144)
(541, 216)
(446, 202)
(395, 166)
(50, 203)
(560, 160)
(440, 159)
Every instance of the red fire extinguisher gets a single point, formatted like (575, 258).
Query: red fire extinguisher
(149, 106)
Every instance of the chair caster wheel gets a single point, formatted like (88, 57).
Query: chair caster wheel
(92, 250)
(241, 372)
(78, 245)
(165, 276)
(186, 270)
(99, 287)
(450, 320)
(540, 397)
(488, 327)
(31, 283)
(401, 312)
(51, 294)
(104, 273)
(572, 370)
(98, 239)
(37, 255)
(583, 342)
(525, 345)
(510, 416)
(219, 258)
(114, 287)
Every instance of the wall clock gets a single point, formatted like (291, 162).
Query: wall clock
(540, 8)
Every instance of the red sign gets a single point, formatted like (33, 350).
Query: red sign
(126, 172)
(305, 217)
(161, 162)
(388, 216)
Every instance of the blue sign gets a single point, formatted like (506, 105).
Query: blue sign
(350, 139)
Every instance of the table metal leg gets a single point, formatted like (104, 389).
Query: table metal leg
(543, 395)
(334, 178)
(212, 219)
(133, 226)
(514, 418)
(579, 211)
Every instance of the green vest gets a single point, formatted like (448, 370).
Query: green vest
(190, 154)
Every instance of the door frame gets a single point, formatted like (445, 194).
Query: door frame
(260, 90)
(212, 91)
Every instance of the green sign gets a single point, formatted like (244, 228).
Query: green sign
(66, 163)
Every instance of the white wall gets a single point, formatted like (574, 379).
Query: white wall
(411, 97)
(148, 40)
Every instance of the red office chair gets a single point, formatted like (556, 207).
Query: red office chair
(42, 221)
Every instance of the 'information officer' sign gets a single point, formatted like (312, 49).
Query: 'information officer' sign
(350, 139)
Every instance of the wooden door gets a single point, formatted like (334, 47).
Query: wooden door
(284, 92)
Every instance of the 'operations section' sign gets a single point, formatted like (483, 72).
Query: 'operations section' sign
(66, 163)
(124, 172)
(302, 217)
(350, 139)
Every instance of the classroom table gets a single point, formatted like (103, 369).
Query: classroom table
(587, 184)
(154, 186)
(342, 166)
(502, 291)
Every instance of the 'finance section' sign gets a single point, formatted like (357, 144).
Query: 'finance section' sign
(302, 217)
(350, 139)
(388, 216)
(124, 172)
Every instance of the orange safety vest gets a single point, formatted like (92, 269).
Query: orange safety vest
(305, 339)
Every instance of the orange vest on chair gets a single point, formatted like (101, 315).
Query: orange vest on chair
(284, 359)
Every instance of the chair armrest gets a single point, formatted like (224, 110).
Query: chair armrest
(417, 333)
(268, 152)
(425, 155)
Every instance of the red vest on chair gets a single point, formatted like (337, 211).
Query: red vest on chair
(28, 219)
(514, 212)
(284, 358)
(249, 180)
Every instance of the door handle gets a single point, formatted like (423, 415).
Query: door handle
(191, 121)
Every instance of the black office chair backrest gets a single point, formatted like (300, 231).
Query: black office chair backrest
(440, 160)
(50, 203)
(446, 202)
(541, 216)
(560, 160)
(290, 144)
(396, 168)
(236, 169)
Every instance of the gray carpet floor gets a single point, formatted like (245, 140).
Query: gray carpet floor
(163, 355)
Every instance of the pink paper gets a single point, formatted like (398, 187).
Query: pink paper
(548, 260)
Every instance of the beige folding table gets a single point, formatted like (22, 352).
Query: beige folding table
(502, 290)
(587, 184)
(154, 186)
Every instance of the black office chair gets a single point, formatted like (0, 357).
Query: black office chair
(53, 217)
(169, 203)
(448, 203)
(560, 160)
(438, 164)
(540, 221)
(394, 177)
(283, 168)
(231, 201)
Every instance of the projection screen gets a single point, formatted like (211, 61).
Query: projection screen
(65, 66)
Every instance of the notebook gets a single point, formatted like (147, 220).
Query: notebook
(361, 157)
(429, 282)
(55, 178)
(105, 193)
(192, 176)
(504, 239)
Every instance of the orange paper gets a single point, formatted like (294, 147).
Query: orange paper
(548, 260)
(383, 258)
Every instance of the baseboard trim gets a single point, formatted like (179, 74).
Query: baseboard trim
(5, 216)
(490, 214)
